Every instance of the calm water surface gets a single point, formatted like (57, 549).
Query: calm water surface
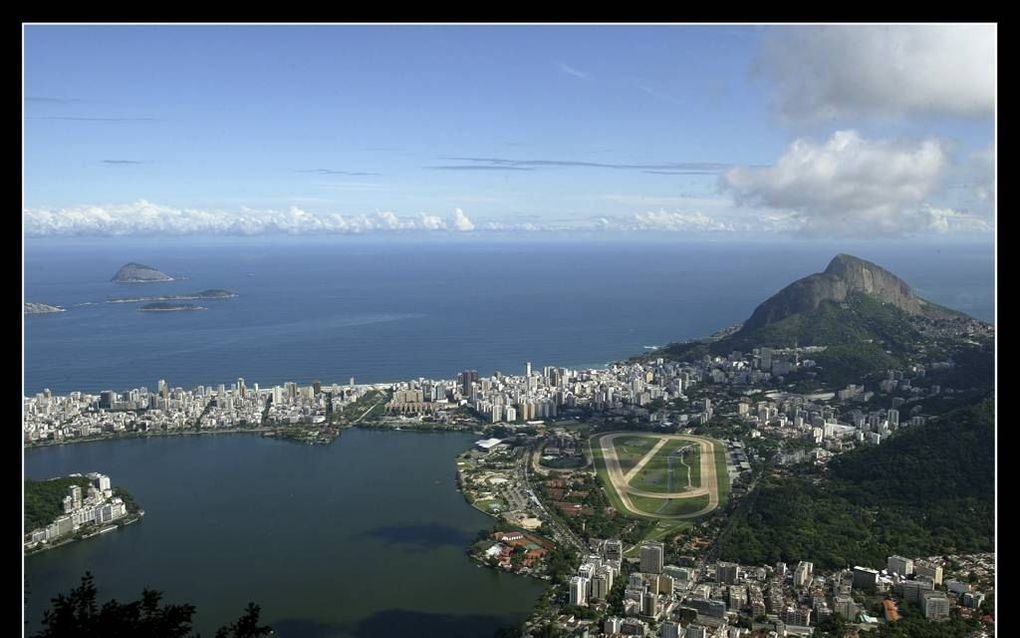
(362, 538)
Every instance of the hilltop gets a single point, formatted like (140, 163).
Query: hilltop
(139, 273)
(866, 318)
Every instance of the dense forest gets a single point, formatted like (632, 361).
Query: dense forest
(44, 499)
(928, 490)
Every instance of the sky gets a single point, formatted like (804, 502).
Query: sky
(831, 131)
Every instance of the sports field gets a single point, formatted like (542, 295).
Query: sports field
(663, 476)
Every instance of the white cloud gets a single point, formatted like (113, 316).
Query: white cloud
(945, 220)
(569, 70)
(432, 222)
(837, 71)
(461, 221)
(145, 218)
(674, 221)
(847, 187)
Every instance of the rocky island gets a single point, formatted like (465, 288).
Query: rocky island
(139, 274)
(204, 294)
(167, 306)
(41, 308)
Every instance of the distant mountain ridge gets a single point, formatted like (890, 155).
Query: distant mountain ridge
(844, 276)
(139, 273)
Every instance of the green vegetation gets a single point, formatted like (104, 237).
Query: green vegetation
(864, 336)
(859, 319)
(851, 363)
(631, 449)
(78, 614)
(668, 506)
(353, 412)
(44, 499)
(722, 477)
(654, 476)
(928, 490)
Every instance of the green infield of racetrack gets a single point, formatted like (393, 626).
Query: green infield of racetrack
(654, 476)
(631, 449)
(669, 506)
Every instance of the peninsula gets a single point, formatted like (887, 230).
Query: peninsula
(65, 509)
(134, 273)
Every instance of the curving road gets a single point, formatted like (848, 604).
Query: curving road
(621, 481)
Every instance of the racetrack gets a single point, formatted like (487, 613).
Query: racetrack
(621, 481)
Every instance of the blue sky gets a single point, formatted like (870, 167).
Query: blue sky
(811, 131)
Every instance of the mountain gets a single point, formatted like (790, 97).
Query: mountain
(852, 302)
(845, 276)
(139, 273)
(867, 319)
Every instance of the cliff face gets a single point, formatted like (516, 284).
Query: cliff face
(140, 273)
(844, 275)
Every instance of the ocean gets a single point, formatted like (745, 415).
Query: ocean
(382, 308)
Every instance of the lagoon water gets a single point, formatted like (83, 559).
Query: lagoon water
(365, 537)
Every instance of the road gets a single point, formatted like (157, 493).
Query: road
(560, 531)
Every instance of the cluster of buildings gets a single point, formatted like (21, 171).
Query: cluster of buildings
(96, 506)
(49, 417)
(516, 551)
(728, 600)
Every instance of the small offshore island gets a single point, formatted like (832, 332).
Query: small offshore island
(139, 274)
(169, 306)
(32, 308)
(214, 293)
(57, 513)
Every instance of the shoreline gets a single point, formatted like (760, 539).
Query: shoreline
(128, 520)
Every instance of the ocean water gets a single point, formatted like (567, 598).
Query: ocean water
(385, 308)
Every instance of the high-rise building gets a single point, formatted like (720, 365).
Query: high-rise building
(579, 591)
(865, 578)
(935, 605)
(650, 605)
(802, 575)
(931, 570)
(527, 369)
(75, 496)
(727, 573)
(651, 557)
(612, 625)
(600, 587)
(845, 606)
(670, 630)
(900, 565)
(697, 631)
(614, 549)
(106, 399)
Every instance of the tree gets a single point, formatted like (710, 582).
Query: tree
(78, 615)
(247, 626)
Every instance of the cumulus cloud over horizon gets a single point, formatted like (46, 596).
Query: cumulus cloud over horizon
(848, 186)
(827, 72)
(146, 218)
